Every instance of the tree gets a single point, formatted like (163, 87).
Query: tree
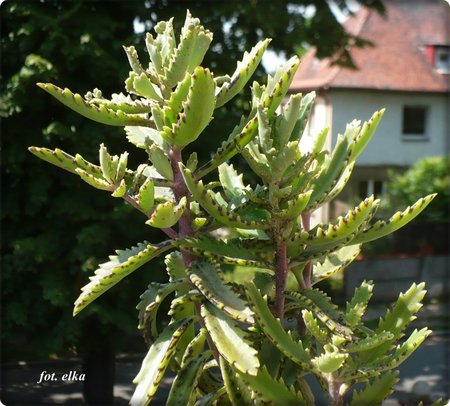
(430, 173)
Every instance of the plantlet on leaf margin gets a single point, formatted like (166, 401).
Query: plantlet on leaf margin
(227, 339)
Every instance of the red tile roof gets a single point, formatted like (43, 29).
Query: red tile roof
(398, 60)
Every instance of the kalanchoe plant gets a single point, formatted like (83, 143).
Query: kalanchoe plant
(231, 338)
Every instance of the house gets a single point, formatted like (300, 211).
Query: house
(407, 71)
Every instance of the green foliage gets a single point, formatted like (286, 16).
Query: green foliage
(255, 354)
(426, 175)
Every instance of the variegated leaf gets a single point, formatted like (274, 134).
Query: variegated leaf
(274, 330)
(197, 110)
(167, 214)
(375, 391)
(208, 201)
(118, 267)
(230, 340)
(239, 138)
(242, 74)
(156, 362)
(100, 114)
(272, 390)
(183, 389)
(398, 220)
(207, 277)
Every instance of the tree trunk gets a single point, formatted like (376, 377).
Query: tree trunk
(99, 370)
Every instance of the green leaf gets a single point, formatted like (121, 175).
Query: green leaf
(207, 277)
(375, 391)
(239, 138)
(313, 327)
(278, 85)
(138, 136)
(244, 70)
(65, 161)
(317, 302)
(146, 196)
(209, 202)
(274, 330)
(226, 252)
(231, 181)
(369, 342)
(151, 299)
(398, 220)
(93, 180)
(194, 42)
(327, 177)
(118, 267)
(144, 87)
(197, 110)
(366, 134)
(329, 362)
(230, 340)
(237, 391)
(401, 353)
(334, 263)
(183, 390)
(272, 390)
(356, 308)
(100, 114)
(160, 161)
(156, 362)
(167, 214)
(195, 347)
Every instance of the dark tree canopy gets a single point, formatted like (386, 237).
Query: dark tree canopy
(55, 229)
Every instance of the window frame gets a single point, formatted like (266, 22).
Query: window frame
(415, 136)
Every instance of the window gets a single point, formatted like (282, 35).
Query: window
(414, 121)
(370, 187)
(442, 59)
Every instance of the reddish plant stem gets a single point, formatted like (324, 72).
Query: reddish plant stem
(185, 229)
(307, 272)
(281, 273)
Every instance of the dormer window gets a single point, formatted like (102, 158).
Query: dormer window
(442, 59)
(439, 57)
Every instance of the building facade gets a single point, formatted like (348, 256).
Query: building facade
(406, 71)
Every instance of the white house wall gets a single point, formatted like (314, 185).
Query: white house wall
(389, 147)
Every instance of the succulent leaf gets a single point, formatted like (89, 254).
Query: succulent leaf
(274, 330)
(183, 389)
(329, 362)
(156, 361)
(93, 180)
(230, 340)
(118, 267)
(237, 141)
(160, 161)
(207, 277)
(242, 74)
(100, 114)
(194, 42)
(167, 214)
(146, 196)
(375, 391)
(335, 262)
(357, 306)
(208, 201)
(197, 110)
(237, 391)
(138, 136)
(272, 390)
(226, 252)
(398, 220)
